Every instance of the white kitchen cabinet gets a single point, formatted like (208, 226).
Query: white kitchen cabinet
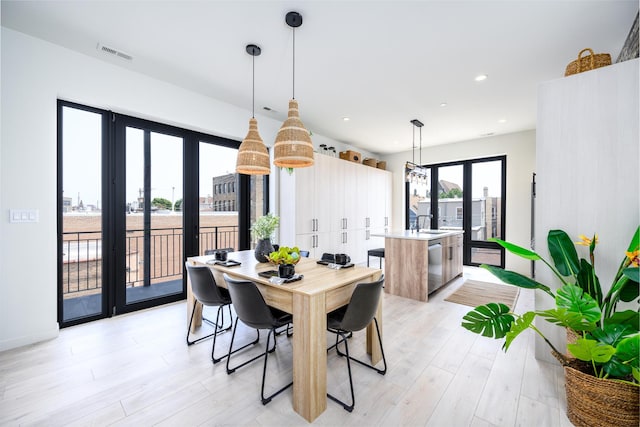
(332, 207)
(376, 199)
(587, 154)
(378, 207)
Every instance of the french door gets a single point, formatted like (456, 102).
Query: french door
(466, 195)
(135, 199)
(149, 230)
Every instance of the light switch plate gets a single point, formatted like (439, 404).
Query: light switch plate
(24, 215)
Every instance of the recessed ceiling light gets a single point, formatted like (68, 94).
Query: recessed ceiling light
(481, 77)
(346, 119)
(443, 104)
(269, 109)
(502, 121)
(487, 134)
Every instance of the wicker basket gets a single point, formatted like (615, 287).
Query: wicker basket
(596, 402)
(589, 62)
(370, 162)
(572, 336)
(352, 156)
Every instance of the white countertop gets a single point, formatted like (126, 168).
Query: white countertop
(419, 235)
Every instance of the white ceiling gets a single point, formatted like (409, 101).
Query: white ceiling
(380, 63)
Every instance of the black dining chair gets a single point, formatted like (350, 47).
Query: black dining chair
(208, 293)
(353, 317)
(254, 312)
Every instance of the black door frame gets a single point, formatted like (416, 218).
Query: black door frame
(467, 200)
(105, 266)
(114, 205)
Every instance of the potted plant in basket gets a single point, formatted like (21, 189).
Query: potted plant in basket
(263, 229)
(602, 369)
(285, 258)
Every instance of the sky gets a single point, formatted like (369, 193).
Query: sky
(82, 161)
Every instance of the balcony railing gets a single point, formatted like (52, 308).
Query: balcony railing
(82, 256)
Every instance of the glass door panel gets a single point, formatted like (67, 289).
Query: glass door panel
(486, 217)
(450, 193)
(134, 240)
(154, 227)
(218, 198)
(81, 267)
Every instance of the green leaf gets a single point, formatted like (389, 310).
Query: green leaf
(636, 374)
(491, 320)
(616, 368)
(568, 319)
(563, 252)
(516, 279)
(588, 281)
(629, 290)
(575, 300)
(611, 333)
(626, 358)
(628, 351)
(521, 324)
(635, 241)
(629, 318)
(591, 350)
(517, 250)
(633, 273)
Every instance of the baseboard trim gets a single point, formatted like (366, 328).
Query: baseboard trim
(11, 343)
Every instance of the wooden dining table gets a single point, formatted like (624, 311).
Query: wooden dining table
(321, 291)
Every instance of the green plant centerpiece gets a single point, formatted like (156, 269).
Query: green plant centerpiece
(263, 229)
(605, 356)
(285, 258)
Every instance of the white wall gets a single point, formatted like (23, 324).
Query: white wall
(588, 158)
(34, 75)
(521, 154)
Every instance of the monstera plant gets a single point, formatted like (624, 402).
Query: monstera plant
(607, 347)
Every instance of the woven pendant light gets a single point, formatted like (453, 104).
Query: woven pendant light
(293, 147)
(253, 157)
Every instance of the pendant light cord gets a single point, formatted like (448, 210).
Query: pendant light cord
(294, 64)
(253, 82)
(413, 146)
(420, 146)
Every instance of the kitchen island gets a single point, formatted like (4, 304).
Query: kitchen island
(419, 262)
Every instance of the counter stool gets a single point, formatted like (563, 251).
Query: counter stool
(379, 252)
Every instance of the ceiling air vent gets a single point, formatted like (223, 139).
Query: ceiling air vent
(111, 51)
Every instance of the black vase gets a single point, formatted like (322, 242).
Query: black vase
(263, 248)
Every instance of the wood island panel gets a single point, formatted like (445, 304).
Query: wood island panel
(406, 268)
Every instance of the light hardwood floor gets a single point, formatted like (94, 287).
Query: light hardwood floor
(136, 369)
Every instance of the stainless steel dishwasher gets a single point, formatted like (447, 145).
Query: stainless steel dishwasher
(435, 266)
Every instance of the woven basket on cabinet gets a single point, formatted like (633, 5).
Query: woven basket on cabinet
(589, 62)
